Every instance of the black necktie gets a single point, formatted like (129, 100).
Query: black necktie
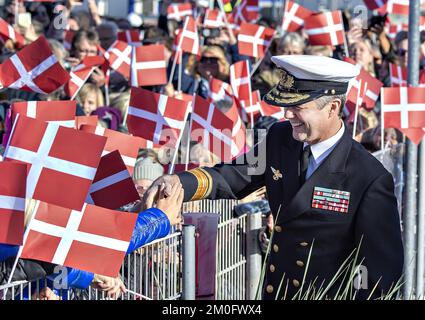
(304, 163)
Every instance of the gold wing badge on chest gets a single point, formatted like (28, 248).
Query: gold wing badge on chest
(276, 174)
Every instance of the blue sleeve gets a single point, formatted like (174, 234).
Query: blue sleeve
(79, 279)
(7, 251)
(72, 278)
(151, 224)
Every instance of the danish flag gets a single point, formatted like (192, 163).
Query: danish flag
(112, 186)
(373, 89)
(219, 90)
(393, 29)
(34, 69)
(156, 117)
(127, 145)
(400, 7)
(13, 178)
(294, 16)
(187, 39)
(62, 161)
(179, 11)
(240, 80)
(59, 112)
(80, 74)
(212, 127)
(398, 76)
(325, 28)
(403, 107)
(213, 18)
(8, 32)
(67, 41)
(268, 110)
(247, 11)
(238, 130)
(88, 120)
(93, 239)
(254, 40)
(252, 106)
(374, 4)
(119, 57)
(148, 66)
(131, 37)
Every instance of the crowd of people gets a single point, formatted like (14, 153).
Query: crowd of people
(370, 48)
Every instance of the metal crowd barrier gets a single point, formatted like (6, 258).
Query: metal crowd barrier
(154, 272)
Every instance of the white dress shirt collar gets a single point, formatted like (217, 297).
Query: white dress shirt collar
(320, 148)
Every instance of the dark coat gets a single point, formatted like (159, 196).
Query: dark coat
(372, 216)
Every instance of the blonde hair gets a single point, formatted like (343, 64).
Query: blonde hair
(219, 52)
(87, 89)
(121, 102)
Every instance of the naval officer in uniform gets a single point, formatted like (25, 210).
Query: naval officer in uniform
(332, 200)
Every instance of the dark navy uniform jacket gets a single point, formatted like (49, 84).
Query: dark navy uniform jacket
(370, 228)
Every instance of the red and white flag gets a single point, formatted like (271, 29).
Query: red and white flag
(187, 39)
(119, 57)
(374, 4)
(67, 41)
(403, 107)
(13, 177)
(178, 11)
(240, 80)
(156, 117)
(254, 40)
(213, 19)
(80, 74)
(127, 145)
(62, 161)
(325, 28)
(252, 106)
(238, 130)
(148, 66)
(246, 11)
(393, 29)
(212, 128)
(219, 90)
(400, 7)
(58, 112)
(398, 76)
(88, 120)
(268, 110)
(372, 87)
(294, 16)
(93, 239)
(131, 37)
(34, 69)
(8, 32)
(112, 186)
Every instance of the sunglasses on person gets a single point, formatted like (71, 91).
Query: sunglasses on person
(209, 60)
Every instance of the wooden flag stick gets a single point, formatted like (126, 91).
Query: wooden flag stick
(173, 68)
(21, 248)
(173, 163)
(356, 111)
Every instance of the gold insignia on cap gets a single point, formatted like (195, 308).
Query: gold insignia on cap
(282, 97)
(286, 81)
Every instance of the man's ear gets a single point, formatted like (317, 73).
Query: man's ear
(335, 107)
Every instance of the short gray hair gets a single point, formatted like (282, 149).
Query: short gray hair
(324, 100)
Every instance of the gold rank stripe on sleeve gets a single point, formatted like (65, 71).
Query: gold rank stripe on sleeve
(204, 187)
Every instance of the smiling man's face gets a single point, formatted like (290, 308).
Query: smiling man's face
(311, 124)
